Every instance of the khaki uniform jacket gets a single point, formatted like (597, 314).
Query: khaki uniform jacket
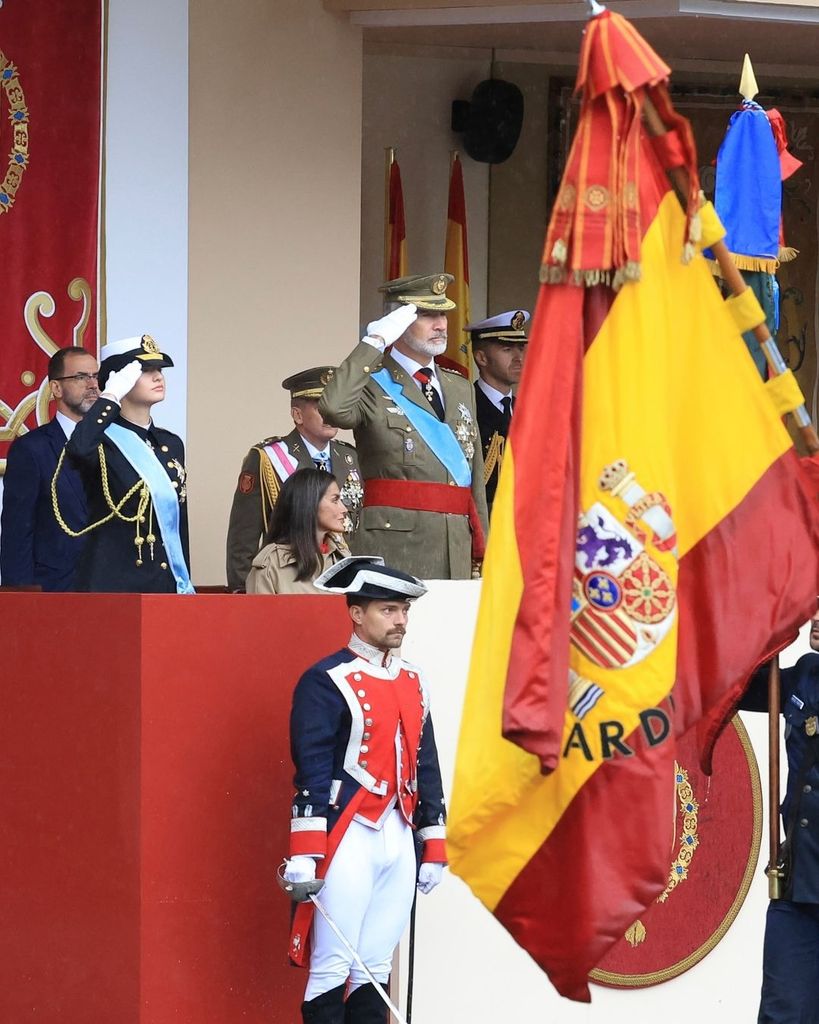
(273, 570)
(258, 488)
(432, 545)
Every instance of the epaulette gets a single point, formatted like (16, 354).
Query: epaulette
(268, 440)
(344, 444)
(448, 369)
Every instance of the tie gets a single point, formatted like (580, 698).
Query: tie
(506, 403)
(424, 377)
(322, 462)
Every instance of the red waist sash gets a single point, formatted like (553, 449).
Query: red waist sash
(425, 496)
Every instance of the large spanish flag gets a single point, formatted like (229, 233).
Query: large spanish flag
(651, 542)
(456, 262)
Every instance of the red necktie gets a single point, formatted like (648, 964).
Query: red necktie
(424, 377)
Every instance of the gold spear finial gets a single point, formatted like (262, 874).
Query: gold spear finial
(747, 82)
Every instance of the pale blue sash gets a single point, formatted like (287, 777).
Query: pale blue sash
(438, 436)
(163, 495)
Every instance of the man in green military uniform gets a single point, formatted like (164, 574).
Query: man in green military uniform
(417, 437)
(311, 444)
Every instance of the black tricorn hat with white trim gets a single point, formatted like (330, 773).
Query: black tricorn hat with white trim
(367, 576)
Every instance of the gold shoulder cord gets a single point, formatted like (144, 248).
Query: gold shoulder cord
(494, 456)
(116, 509)
(269, 486)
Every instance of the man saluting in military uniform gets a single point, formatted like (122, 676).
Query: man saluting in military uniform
(498, 347)
(417, 437)
(311, 444)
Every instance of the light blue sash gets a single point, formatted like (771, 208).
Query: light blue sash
(163, 495)
(438, 436)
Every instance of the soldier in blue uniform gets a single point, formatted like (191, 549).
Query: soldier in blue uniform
(134, 478)
(498, 348)
(367, 779)
(790, 970)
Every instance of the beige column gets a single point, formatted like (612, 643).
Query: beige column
(274, 227)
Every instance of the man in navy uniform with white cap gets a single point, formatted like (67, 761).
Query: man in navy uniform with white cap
(367, 779)
(134, 478)
(498, 348)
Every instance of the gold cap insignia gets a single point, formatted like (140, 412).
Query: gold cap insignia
(439, 285)
(149, 345)
(518, 320)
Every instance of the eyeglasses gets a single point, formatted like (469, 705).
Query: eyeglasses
(82, 378)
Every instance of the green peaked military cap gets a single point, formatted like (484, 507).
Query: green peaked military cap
(426, 291)
(309, 383)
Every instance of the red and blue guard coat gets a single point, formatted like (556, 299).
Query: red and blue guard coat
(362, 741)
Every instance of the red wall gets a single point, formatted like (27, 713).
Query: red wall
(144, 804)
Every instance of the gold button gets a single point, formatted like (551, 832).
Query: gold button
(387, 526)
(163, 565)
(452, 483)
(363, 764)
(175, 483)
(366, 369)
(409, 430)
(366, 736)
(99, 421)
(164, 448)
(104, 412)
(170, 465)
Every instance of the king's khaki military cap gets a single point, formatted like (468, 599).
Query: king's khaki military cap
(426, 291)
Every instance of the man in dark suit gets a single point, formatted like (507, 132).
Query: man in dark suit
(790, 962)
(498, 348)
(34, 550)
(312, 444)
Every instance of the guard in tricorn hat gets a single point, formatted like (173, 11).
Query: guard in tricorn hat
(351, 712)
(417, 436)
(311, 444)
(134, 477)
(498, 348)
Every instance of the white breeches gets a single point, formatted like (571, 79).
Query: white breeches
(368, 893)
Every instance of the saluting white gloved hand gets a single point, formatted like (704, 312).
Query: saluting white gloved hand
(389, 328)
(120, 382)
(429, 875)
(300, 869)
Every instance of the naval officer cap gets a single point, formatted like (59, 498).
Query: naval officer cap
(505, 327)
(309, 383)
(117, 354)
(425, 291)
(366, 576)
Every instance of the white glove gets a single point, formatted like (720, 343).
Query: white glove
(300, 869)
(429, 875)
(389, 328)
(120, 382)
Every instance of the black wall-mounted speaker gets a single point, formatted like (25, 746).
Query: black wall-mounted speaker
(491, 121)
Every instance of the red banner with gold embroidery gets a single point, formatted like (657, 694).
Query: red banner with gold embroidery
(50, 107)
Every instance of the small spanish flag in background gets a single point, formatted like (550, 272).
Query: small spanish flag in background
(651, 541)
(456, 262)
(395, 229)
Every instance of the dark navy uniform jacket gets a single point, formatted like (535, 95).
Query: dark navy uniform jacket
(799, 702)
(33, 547)
(491, 421)
(343, 725)
(109, 559)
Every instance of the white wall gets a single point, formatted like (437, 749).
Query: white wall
(467, 966)
(146, 184)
